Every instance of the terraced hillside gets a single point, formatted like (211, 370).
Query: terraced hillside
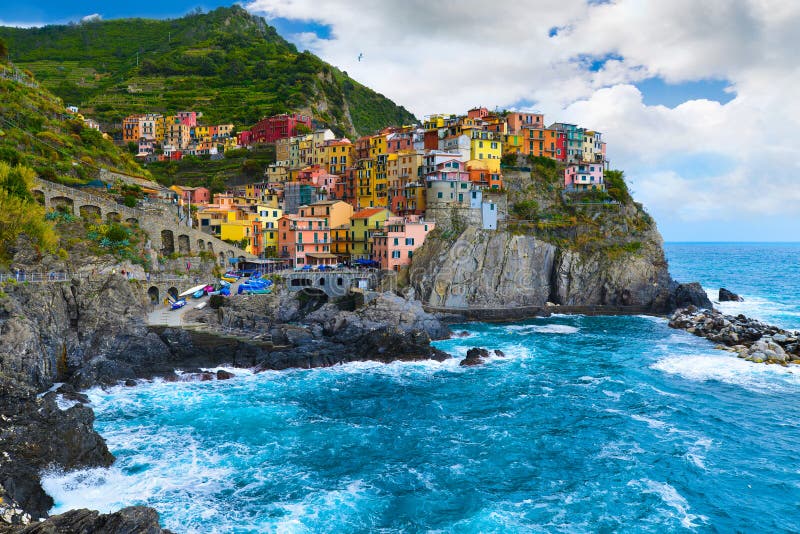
(228, 64)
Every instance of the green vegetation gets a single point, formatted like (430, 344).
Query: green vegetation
(236, 168)
(616, 186)
(228, 64)
(584, 221)
(36, 132)
(20, 213)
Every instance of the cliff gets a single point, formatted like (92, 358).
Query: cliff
(581, 250)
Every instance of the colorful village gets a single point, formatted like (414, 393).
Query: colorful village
(372, 201)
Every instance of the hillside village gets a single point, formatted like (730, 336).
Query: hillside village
(329, 200)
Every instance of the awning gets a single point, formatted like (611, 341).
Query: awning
(322, 255)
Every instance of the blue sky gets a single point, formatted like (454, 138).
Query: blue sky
(695, 99)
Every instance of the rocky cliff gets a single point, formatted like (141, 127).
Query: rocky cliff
(551, 249)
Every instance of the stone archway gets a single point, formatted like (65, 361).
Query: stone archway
(113, 216)
(89, 211)
(132, 220)
(173, 292)
(201, 245)
(38, 196)
(64, 204)
(184, 245)
(221, 259)
(153, 294)
(167, 242)
(210, 246)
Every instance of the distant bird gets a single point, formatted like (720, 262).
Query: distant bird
(360, 55)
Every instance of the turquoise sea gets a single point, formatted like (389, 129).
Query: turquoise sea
(589, 424)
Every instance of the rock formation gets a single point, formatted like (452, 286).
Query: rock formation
(500, 269)
(131, 520)
(750, 339)
(728, 296)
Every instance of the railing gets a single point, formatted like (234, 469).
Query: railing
(43, 277)
(39, 277)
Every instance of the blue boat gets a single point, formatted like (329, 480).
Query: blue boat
(198, 294)
(178, 304)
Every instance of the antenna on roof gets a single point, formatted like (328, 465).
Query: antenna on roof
(360, 55)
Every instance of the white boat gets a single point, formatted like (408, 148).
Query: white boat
(201, 305)
(192, 290)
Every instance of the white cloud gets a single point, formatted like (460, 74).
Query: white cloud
(91, 18)
(21, 24)
(447, 57)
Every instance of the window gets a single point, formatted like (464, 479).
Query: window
(395, 254)
(410, 241)
(397, 241)
(410, 253)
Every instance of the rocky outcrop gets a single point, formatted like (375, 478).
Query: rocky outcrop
(36, 433)
(683, 295)
(81, 332)
(306, 335)
(131, 520)
(728, 296)
(500, 269)
(750, 339)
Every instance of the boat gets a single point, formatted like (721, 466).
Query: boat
(225, 291)
(223, 282)
(201, 306)
(192, 290)
(198, 294)
(176, 304)
(209, 288)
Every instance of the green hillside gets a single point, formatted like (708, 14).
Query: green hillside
(36, 132)
(228, 64)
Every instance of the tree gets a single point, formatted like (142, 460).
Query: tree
(20, 213)
(3, 50)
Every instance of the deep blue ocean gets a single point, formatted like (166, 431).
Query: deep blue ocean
(589, 424)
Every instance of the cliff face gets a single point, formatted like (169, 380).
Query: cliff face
(551, 249)
(72, 332)
(484, 268)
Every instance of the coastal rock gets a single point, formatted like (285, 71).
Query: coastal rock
(750, 339)
(728, 296)
(505, 270)
(35, 434)
(224, 375)
(131, 520)
(691, 294)
(475, 356)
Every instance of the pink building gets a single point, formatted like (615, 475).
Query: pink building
(477, 113)
(187, 118)
(305, 240)
(584, 177)
(394, 246)
(517, 120)
(196, 195)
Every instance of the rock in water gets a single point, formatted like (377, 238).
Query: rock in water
(475, 356)
(728, 296)
(131, 520)
(691, 295)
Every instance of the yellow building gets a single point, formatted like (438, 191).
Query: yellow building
(513, 144)
(363, 224)
(336, 156)
(484, 146)
(335, 212)
(236, 231)
(268, 217)
(341, 244)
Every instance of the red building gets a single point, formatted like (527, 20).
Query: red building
(270, 129)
